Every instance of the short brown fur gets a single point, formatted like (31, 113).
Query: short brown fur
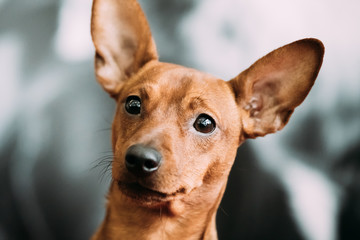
(180, 199)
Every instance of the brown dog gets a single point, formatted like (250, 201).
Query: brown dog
(176, 130)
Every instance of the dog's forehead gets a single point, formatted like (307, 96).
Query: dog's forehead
(175, 81)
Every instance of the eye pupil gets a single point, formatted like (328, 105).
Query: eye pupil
(204, 124)
(133, 105)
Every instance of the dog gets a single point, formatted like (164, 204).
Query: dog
(176, 130)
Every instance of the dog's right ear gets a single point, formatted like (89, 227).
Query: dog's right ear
(122, 39)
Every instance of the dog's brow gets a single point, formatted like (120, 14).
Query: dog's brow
(196, 102)
(144, 92)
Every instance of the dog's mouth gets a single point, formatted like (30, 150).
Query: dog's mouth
(147, 196)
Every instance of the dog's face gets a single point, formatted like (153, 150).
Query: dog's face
(188, 117)
(176, 130)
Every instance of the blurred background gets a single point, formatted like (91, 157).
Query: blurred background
(301, 183)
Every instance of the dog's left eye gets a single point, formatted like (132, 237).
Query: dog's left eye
(204, 124)
(133, 105)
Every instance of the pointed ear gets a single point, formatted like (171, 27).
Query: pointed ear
(268, 92)
(122, 39)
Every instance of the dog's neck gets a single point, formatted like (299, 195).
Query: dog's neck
(190, 218)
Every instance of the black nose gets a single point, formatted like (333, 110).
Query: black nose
(142, 160)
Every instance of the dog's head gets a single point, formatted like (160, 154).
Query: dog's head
(176, 130)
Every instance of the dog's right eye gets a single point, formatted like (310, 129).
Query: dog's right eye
(133, 105)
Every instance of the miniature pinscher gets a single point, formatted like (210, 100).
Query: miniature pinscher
(176, 130)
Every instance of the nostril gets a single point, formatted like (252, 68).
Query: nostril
(150, 165)
(130, 160)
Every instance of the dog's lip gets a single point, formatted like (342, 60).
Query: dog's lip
(138, 192)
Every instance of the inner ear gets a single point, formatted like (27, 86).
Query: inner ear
(263, 92)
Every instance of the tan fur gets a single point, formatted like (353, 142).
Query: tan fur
(183, 195)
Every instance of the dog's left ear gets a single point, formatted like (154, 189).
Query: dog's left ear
(122, 39)
(268, 92)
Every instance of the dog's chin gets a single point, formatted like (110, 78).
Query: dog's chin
(147, 197)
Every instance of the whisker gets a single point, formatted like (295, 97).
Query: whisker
(107, 152)
(223, 210)
(104, 129)
(104, 163)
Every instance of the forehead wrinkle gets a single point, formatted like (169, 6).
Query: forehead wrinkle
(144, 91)
(199, 104)
(196, 102)
(195, 98)
(149, 90)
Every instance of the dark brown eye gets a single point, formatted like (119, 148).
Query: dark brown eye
(133, 105)
(204, 123)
